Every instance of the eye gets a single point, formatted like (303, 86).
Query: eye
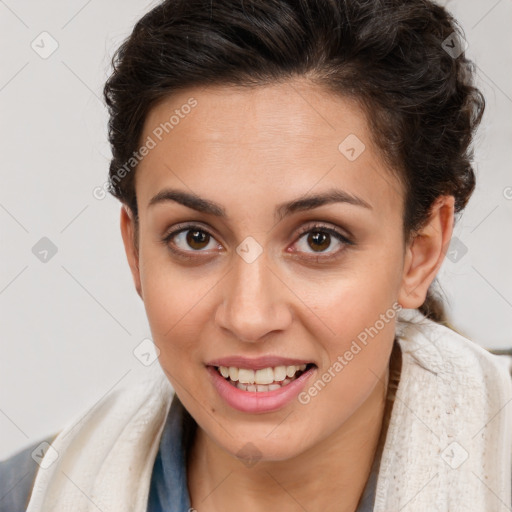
(189, 238)
(320, 238)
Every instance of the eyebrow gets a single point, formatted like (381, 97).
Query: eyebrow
(282, 210)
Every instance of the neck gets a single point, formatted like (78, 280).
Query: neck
(218, 481)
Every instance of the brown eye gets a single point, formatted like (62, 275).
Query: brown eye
(197, 239)
(319, 239)
(323, 241)
(189, 239)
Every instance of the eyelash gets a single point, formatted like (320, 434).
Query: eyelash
(310, 228)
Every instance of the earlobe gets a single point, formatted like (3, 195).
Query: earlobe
(425, 253)
(127, 223)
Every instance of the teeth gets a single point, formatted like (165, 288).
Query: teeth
(263, 377)
(261, 387)
(279, 373)
(246, 376)
(290, 371)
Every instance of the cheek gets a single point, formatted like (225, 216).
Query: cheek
(173, 302)
(361, 323)
(353, 297)
(358, 307)
(360, 318)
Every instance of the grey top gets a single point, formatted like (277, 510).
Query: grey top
(17, 474)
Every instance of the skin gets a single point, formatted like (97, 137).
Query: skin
(250, 150)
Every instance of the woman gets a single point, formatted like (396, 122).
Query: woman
(289, 173)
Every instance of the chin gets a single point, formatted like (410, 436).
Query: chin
(269, 443)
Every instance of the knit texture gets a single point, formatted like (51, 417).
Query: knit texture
(449, 440)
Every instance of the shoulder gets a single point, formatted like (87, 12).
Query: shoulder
(17, 475)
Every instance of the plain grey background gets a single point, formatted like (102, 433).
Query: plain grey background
(69, 325)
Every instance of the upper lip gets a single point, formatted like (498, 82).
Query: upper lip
(256, 363)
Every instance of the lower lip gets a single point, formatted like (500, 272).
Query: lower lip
(258, 401)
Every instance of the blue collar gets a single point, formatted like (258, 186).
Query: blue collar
(168, 490)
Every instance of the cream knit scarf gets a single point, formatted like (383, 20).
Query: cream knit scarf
(448, 446)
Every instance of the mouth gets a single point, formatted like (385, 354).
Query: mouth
(259, 385)
(262, 380)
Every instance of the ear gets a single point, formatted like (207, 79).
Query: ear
(131, 245)
(425, 253)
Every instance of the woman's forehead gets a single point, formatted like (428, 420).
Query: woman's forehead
(293, 137)
(230, 115)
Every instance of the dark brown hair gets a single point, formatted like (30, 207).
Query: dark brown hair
(400, 59)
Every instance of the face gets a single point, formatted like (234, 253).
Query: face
(238, 279)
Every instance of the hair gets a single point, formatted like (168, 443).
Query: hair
(388, 55)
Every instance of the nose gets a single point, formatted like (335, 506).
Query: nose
(254, 302)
